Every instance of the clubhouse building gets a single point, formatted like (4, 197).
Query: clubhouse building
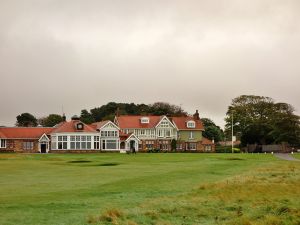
(139, 133)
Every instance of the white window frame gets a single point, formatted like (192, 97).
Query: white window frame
(208, 148)
(194, 146)
(28, 145)
(104, 143)
(160, 133)
(191, 135)
(145, 120)
(191, 124)
(1, 143)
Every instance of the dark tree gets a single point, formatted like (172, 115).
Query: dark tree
(258, 119)
(86, 117)
(212, 131)
(26, 120)
(164, 108)
(50, 120)
(173, 144)
(109, 110)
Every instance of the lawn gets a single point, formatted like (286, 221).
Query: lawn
(148, 189)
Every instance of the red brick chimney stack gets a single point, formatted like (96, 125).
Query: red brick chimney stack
(196, 115)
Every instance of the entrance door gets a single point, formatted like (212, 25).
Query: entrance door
(43, 148)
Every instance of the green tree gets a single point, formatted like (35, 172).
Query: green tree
(109, 110)
(26, 120)
(86, 117)
(212, 131)
(164, 108)
(51, 120)
(258, 119)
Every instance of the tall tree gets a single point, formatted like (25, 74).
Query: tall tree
(26, 120)
(258, 119)
(86, 117)
(51, 120)
(212, 131)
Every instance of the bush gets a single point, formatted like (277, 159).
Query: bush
(226, 149)
(154, 150)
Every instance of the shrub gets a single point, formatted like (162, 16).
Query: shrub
(226, 149)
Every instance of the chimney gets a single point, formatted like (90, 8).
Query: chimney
(196, 115)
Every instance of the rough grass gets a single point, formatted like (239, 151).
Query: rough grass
(148, 189)
(267, 196)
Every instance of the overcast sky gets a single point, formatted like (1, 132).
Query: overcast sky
(198, 53)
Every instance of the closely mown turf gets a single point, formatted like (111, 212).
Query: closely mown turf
(148, 189)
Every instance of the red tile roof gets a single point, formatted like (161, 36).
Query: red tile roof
(125, 122)
(66, 127)
(181, 123)
(100, 124)
(123, 136)
(24, 132)
(1, 134)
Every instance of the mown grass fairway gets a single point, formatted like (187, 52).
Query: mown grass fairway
(148, 189)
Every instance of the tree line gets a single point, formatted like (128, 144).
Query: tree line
(255, 119)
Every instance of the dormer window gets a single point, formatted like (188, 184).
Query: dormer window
(144, 120)
(191, 124)
(79, 126)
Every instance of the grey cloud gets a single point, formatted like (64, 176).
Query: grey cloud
(200, 54)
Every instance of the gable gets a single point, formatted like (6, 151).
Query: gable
(109, 126)
(44, 138)
(165, 123)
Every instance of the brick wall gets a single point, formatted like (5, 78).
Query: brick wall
(16, 145)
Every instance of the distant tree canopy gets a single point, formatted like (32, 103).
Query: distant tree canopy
(105, 112)
(26, 120)
(86, 117)
(212, 131)
(258, 119)
(108, 111)
(50, 120)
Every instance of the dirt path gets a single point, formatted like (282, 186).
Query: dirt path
(286, 156)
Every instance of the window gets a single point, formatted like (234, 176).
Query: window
(164, 124)
(168, 133)
(152, 132)
(109, 144)
(62, 142)
(79, 126)
(191, 124)
(53, 142)
(144, 120)
(3, 143)
(96, 142)
(109, 133)
(142, 132)
(164, 145)
(28, 145)
(207, 148)
(72, 144)
(149, 144)
(179, 146)
(191, 135)
(192, 146)
(160, 133)
(82, 142)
